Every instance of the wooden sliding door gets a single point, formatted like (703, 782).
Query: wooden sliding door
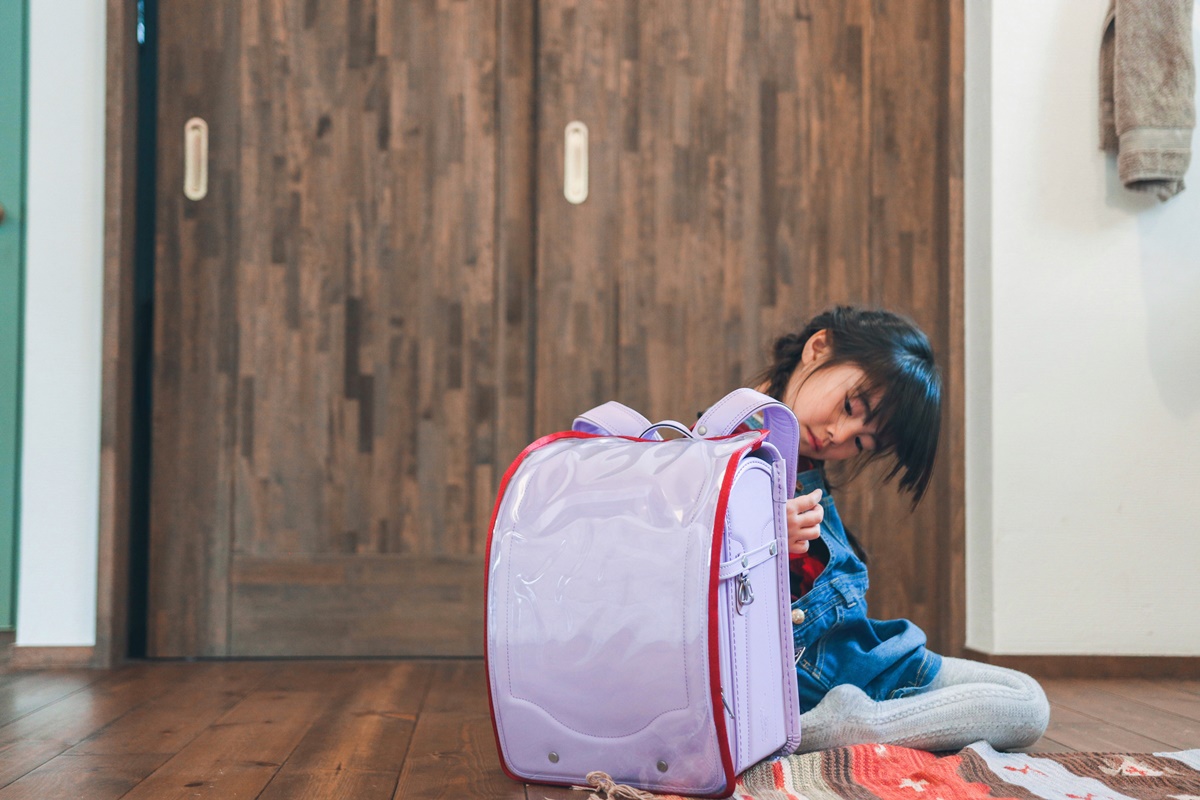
(383, 293)
(751, 164)
(330, 408)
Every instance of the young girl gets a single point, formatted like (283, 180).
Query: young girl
(864, 382)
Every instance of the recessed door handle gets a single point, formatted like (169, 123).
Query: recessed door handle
(575, 163)
(195, 159)
(1, 213)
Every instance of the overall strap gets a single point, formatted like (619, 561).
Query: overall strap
(731, 410)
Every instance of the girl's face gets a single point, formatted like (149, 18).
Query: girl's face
(828, 406)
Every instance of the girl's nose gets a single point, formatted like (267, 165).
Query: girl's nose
(844, 430)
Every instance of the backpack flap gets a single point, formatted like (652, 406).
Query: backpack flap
(601, 655)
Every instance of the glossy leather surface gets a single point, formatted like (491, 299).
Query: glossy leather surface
(597, 618)
(601, 652)
(724, 416)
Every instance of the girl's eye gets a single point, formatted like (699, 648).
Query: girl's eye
(846, 405)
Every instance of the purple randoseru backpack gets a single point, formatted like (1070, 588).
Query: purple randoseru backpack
(638, 601)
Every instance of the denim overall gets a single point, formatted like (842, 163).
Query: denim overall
(835, 641)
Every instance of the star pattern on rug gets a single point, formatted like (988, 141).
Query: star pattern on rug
(1025, 770)
(1129, 765)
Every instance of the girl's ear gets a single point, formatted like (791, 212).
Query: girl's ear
(817, 348)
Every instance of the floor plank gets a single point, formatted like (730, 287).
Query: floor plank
(164, 725)
(315, 675)
(32, 740)
(83, 776)
(24, 692)
(368, 723)
(238, 754)
(1190, 686)
(1098, 700)
(453, 755)
(1080, 732)
(325, 784)
(1047, 745)
(19, 758)
(1171, 696)
(356, 747)
(458, 685)
(79, 714)
(537, 791)
(453, 751)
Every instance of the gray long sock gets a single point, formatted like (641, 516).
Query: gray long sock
(966, 701)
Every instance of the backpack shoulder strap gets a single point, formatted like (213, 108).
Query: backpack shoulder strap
(732, 409)
(613, 419)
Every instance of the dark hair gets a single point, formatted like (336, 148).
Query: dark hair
(898, 364)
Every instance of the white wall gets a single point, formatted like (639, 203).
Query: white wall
(1083, 384)
(60, 465)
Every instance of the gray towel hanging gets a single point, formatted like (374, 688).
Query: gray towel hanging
(1147, 92)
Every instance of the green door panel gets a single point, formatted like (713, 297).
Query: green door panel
(12, 198)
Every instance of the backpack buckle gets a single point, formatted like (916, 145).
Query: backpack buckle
(745, 593)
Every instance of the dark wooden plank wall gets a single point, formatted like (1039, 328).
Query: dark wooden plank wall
(386, 295)
(752, 163)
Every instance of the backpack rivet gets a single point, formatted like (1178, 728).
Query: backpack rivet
(702, 430)
(662, 766)
(553, 758)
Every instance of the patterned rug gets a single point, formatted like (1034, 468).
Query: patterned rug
(885, 772)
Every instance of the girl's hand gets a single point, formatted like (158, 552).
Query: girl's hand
(804, 515)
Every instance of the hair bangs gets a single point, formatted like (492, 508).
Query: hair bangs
(909, 422)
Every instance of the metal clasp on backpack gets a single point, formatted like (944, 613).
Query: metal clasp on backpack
(745, 593)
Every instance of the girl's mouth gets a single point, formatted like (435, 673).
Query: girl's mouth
(816, 446)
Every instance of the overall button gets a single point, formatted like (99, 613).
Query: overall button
(797, 616)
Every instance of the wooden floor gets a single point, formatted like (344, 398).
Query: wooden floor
(279, 730)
